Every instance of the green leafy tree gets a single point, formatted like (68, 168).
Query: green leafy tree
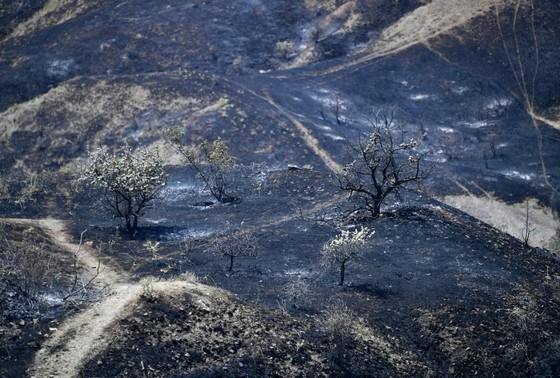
(381, 165)
(345, 247)
(211, 161)
(131, 180)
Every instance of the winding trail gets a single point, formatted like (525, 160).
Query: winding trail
(305, 133)
(57, 231)
(80, 336)
(307, 137)
(418, 27)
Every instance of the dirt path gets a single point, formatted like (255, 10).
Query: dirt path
(304, 131)
(57, 232)
(307, 137)
(81, 335)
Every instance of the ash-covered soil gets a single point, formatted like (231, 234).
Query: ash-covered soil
(287, 83)
(438, 292)
(209, 333)
(249, 72)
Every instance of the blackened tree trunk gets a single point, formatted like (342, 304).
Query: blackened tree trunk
(230, 263)
(131, 225)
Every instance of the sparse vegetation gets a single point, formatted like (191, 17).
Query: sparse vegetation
(33, 188)
(26, 267)
(148, 291)
(380, 165)
(28, 263)
(527, 229)
(211, 161)
(189, 276)
(24, 187)
(437, 293)
(297, 293)
(338, 324)
(345, 247)
(131, 180)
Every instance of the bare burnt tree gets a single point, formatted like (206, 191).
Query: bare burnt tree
(234, 245)
(381, 163)
(336, 107)
(527, 231)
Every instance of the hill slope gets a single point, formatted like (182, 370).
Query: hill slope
(284, 83)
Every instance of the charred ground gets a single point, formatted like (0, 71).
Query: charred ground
(440, 293)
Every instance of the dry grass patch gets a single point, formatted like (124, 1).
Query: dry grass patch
(510, 218)
(54, 12)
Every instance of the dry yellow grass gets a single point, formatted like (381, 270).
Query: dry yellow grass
(424, 23)
(115, 105)
(509, 218)
(54, 12)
